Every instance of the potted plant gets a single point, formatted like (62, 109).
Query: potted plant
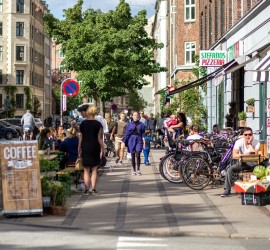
(59, 198)
(250, 105)
(46, 191)
(242, 119)
(48, 167)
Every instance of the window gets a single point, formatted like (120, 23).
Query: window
(1, 76)
(1, 5)
(19, 76)
(61, 54)
(190, 49)
(1, 28)
(19, 28)
(190, 6)
(1, 53)
(19, 101)
(1, 101)
(20, 6)
(20, 53)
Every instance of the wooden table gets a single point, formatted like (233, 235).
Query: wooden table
(251, 158)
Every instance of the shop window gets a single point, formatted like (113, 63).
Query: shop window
(19, 53)
(19, 29)
(190, 10)
(19, 101)
(1, 76)
(20, 6)
(1, 5)
(19, 76)
(190, 49)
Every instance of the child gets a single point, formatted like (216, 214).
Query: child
(146, 146)
(173, 121)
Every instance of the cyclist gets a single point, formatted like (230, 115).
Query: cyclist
(28, 122)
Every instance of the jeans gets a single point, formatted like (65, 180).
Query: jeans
(236, 167)
(146, 152)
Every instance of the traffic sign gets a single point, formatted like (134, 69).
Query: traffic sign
(71, 87)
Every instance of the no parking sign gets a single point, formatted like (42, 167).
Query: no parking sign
(71, 87)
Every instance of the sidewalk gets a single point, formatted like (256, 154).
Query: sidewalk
(149, 205)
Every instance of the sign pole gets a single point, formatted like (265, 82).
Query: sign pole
(61, 101)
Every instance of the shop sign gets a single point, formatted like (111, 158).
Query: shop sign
(235, 50)
(212, 58)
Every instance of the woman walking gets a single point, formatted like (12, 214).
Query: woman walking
(90, 148)
(133, 140)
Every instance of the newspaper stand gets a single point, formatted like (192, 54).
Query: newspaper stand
(20, 174)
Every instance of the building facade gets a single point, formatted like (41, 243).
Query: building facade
(24, 59)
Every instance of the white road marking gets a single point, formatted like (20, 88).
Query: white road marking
(139, 242)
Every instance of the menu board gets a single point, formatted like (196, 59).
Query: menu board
(20, 172)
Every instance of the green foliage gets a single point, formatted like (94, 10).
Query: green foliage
(28, 101)
(59, 194)
(46, 186)
(250, 101)
(111, 52)
(242, 115)
(11, 91)
(135, 100)
(48, 165)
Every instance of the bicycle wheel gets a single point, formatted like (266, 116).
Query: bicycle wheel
(168, 169)
(196, 173)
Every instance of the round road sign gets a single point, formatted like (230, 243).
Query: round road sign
(71, 87)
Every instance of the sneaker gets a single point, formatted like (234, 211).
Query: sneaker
(86, 192)
(94, 191)
(226, 193)
(139, 172)
(133, 173)
(120, 163)
(148, 164)
(117, 160)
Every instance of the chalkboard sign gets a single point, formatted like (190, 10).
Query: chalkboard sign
(20, 174)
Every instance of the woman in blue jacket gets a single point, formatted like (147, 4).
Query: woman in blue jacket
(133, 140)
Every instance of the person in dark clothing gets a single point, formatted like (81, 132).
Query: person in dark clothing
(90, 148)
(44, 141)
(152, 122)
(133, 140)
(70, 145)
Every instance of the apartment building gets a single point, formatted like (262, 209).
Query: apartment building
(24, 59)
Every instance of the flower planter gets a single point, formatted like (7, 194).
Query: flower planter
(57, 210)
(250, 109)
(242, 123)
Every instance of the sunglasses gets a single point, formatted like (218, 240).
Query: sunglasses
(247, 134)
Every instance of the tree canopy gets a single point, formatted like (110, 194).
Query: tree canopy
(111, 52)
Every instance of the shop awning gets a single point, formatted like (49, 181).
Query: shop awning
(203, 79)
(262, 70)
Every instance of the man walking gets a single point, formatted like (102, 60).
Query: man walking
(28, 122)
(118, 133)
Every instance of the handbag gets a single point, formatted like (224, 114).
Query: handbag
(78, 164)
(103, 161)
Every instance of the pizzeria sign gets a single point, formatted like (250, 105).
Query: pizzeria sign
(212, 58)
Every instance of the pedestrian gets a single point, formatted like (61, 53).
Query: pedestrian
(143, 119)
(118, 133)
(90, 148)
(133, 140)
(146, 146)
(152, 121)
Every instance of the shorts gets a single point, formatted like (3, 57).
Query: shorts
(119, 143)
(28, 126)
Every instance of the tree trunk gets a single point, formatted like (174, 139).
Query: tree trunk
(102, 107)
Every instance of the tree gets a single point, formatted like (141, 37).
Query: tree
(135, 100)
(111, 52)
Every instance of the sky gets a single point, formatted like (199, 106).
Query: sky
(56, 7)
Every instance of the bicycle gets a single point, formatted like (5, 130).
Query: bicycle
(209, 166)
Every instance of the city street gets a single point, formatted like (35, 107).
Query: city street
(143, 212)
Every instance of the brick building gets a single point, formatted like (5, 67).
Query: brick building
(219, 16)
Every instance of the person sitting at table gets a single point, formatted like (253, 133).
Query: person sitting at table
(246, 145)
(70, 145)
(44, 140)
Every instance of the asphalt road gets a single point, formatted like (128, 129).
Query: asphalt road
(43, 238)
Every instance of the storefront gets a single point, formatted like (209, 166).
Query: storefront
(248, 50)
